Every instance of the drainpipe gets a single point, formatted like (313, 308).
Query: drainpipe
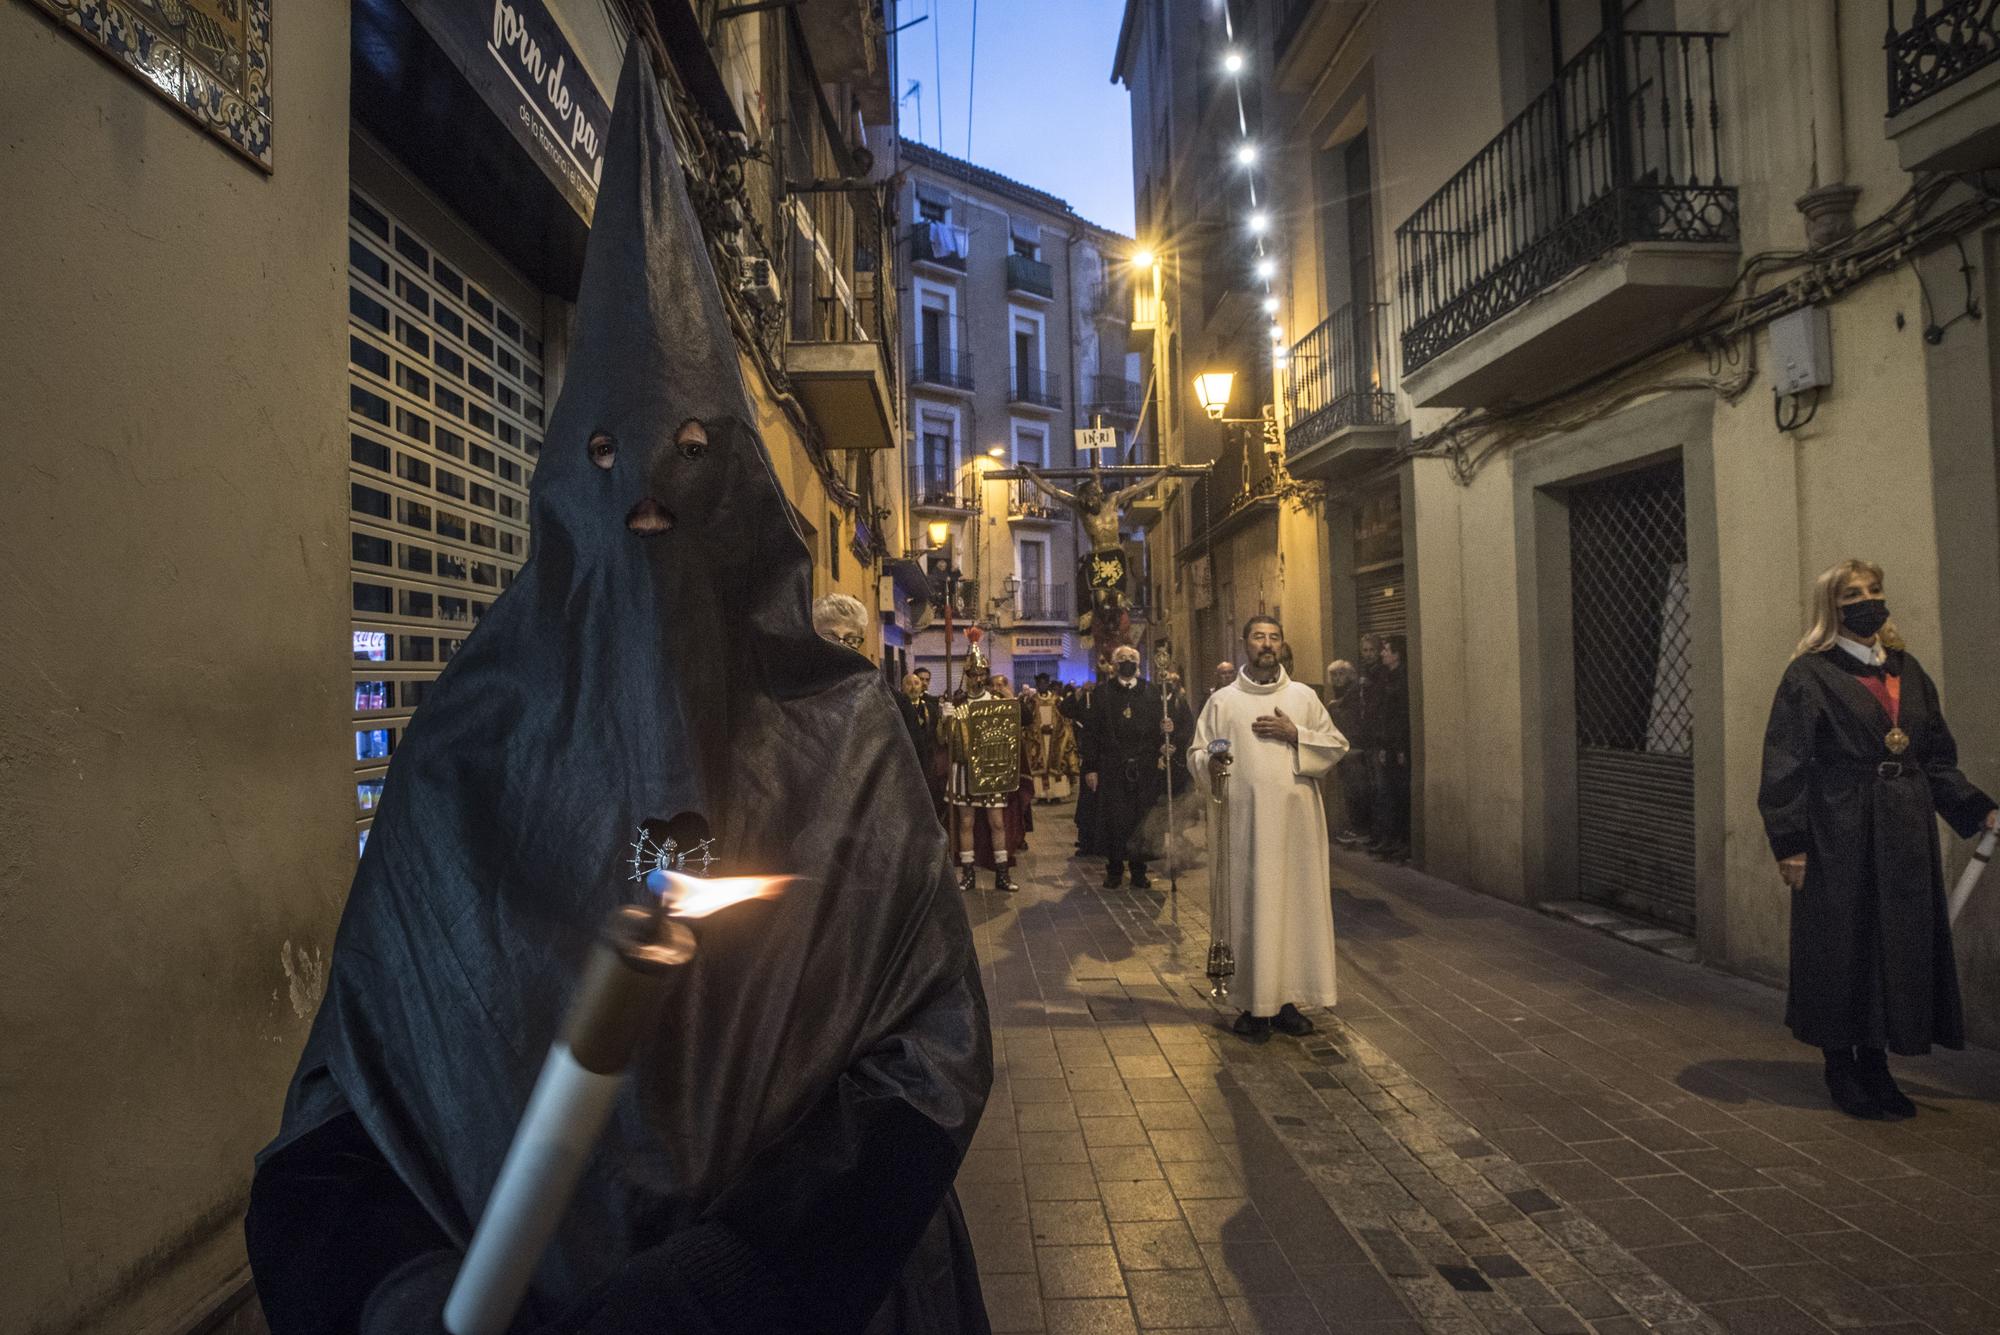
(1829, 206)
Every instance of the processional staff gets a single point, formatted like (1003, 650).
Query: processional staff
(1221, 959)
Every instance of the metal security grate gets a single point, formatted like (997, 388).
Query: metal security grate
(445, 419)
(1634, 661)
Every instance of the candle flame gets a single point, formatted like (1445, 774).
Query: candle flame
(698, 896)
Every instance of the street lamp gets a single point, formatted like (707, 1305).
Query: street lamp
(940, 533)
(1212, 389)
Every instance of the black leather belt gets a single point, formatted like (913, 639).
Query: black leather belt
(1887, 769)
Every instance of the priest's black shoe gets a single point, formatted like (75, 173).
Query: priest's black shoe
(1114, 876)
(967, 881)
(1253, 1027)
(1140, 881)
(1289, 1021)
(1843, 1082)
(1872, 1064)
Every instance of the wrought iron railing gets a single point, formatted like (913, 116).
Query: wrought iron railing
(1111, 301)
(1027, 501)
(1624, 146)
(1035, 386)
(1340, 376)
(1114, 395)
(942, 365)
(1030, 276)
(938, 487)
(1939, 47)
(835, 244)
(1043, 602)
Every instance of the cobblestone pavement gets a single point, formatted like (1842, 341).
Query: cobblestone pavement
(1509, 1124)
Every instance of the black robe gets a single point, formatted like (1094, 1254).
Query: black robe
(1121, 745)
(1871, 957)
(781, 1156)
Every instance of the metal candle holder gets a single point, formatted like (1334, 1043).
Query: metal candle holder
(1221, 959)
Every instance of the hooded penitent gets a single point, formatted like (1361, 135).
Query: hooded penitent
(781, 1157)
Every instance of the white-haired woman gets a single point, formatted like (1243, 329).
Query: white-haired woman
(1858, 766)
(840, 617)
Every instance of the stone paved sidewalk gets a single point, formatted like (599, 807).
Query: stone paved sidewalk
(1509, 1124)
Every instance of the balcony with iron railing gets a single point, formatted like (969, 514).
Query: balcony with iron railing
(1111, 303)
(1044, 602)
(1029, 504)
(1029, 277)
(1944, 84)
(840, 304)
(942, 366)
(940, 246)
(935, 486)
(1596, 219)
(1030, 387)
(1340, 394)
(1114, 396)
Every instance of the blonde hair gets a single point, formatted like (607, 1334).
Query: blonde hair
(1826, 608)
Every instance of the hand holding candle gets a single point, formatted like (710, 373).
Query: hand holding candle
(615, 1004)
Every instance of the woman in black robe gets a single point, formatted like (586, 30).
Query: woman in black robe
(1858, 766)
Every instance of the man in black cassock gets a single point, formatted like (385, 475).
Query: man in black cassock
(1121, 763)
(781, 1155)
(1858, 766)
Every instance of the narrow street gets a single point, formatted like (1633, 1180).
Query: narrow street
(1509, 1124)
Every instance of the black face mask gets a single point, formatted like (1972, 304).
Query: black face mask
(1128, 670)
(1865, 617)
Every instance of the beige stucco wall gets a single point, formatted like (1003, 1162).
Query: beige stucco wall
(1858, 480)
(176, 826)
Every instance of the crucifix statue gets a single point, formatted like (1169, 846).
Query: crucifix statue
(1098, 512)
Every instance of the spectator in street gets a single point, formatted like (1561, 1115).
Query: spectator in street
(1389, 719)
(841, 618)
(1225, 675)
(1343, 703)
(1281, 742)
(1367, 689)
(920, 716)
(1858, 766)
(1122, 763)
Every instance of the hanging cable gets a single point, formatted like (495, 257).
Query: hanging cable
(971, 80)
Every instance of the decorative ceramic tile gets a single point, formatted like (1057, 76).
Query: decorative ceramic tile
(209, 58)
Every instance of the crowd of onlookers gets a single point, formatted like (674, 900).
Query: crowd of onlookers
(1369, 699)
(1370, 704)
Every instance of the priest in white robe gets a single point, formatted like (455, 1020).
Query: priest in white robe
(1282, 742)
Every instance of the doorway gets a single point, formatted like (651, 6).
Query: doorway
(1633, 648)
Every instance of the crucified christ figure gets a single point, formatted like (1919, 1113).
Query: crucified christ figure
(1098, 511)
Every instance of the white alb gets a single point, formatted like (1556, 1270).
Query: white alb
(1280, 887)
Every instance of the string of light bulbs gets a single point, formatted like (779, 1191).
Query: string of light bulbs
(1258, 221)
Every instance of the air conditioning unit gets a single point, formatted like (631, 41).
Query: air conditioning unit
(757, 280)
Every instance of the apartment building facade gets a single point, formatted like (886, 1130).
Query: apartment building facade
(1603, 328)
(308, 287)
(1018, 315)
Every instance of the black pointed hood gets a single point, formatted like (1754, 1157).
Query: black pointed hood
(628, 677)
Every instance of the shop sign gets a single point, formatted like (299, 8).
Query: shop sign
(209, 59)
(516, 55)
(1030, 646)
